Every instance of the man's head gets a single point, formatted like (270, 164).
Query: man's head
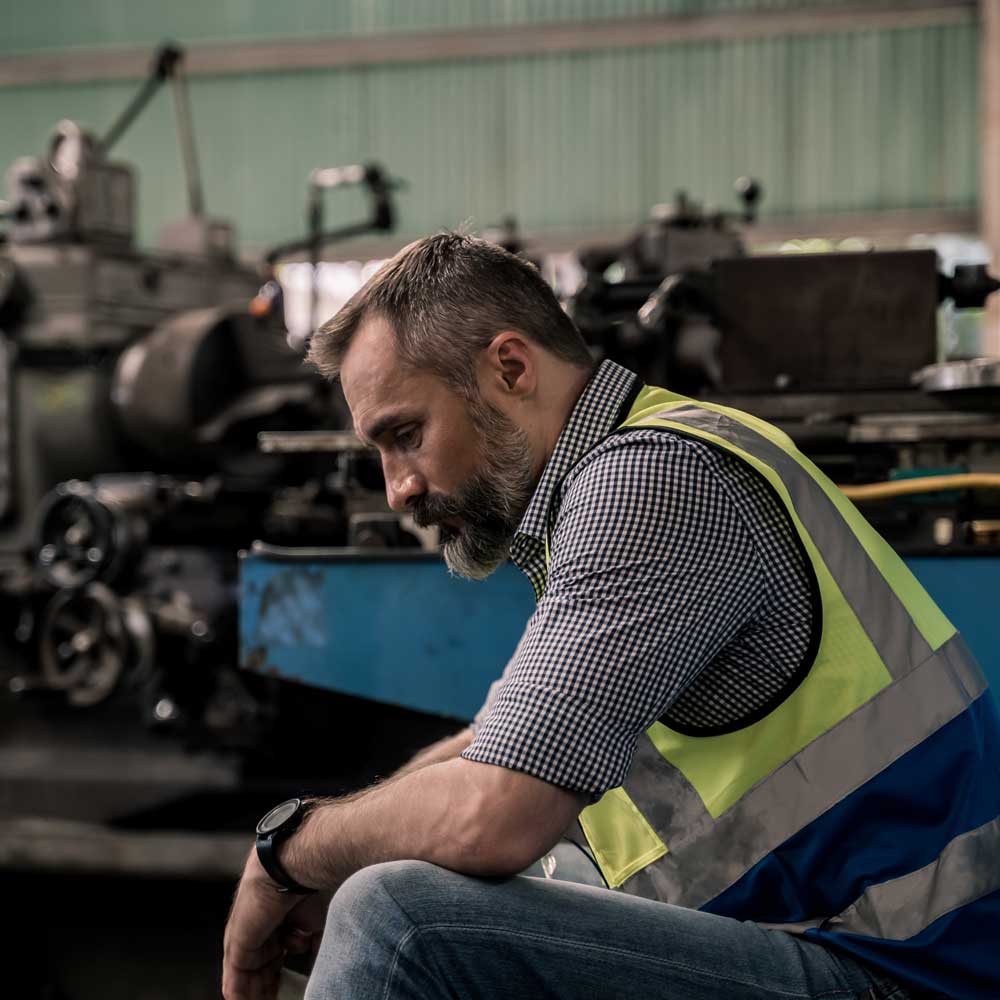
(460, 366)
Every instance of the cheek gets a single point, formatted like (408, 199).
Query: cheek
(452, 457)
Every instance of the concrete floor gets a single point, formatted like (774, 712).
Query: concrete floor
(106, 938)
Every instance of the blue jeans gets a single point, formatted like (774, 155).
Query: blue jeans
(408, 929)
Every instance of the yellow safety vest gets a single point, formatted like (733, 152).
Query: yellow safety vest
(760, 822)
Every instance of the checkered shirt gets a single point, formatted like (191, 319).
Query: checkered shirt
(676, 590)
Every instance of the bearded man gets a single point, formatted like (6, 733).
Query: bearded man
(776, 752)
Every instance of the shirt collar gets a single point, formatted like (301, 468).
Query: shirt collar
(597, 412)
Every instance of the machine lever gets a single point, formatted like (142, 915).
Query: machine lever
(168, 64)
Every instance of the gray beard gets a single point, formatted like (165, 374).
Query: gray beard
(492, 502)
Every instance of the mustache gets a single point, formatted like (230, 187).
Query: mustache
(433, 508)
(480, 504)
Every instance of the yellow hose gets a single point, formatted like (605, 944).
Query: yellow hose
(923, 484)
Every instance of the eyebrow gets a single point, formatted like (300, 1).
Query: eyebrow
(386, 423)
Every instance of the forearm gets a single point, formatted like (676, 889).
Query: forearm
(422, 815)
(446, 749)
(453, 814)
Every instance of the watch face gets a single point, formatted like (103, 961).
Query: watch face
(278, 816)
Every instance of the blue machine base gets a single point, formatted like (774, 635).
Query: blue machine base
(967, 590)
(396, 627)
(391, 626)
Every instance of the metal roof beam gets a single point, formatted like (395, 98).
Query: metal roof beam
(494, 42)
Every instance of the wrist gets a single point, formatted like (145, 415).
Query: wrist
(299, 855)
(260, 881)
(273, 832)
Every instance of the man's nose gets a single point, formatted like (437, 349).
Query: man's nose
(403, 488)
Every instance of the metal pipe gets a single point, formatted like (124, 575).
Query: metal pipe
(328, 236)
(923, 484)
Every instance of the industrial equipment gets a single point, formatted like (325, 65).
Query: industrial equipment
(648, 302)
(134, 386)
(840, 350)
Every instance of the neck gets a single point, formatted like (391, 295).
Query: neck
(560, 407)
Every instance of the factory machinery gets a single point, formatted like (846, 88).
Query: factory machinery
(840, 350)
(134, 384)
(205, 604)
(157, 423)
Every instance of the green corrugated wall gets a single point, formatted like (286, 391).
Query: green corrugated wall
(849, 121)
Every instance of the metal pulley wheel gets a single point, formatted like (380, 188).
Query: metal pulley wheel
(79, 538)
(89, 639)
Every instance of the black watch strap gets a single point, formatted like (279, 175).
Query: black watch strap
(270, 836)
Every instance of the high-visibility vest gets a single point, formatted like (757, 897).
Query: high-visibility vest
(861, 808)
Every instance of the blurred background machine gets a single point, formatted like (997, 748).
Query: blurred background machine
(844, 352)
(159, 421)
(133, 386)
(840, 350)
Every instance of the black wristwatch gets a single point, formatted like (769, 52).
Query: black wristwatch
(277, 826)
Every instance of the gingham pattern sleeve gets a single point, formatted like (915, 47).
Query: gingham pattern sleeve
(653, 573)
(494, 691)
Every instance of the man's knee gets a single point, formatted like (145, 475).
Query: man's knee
(380, 893)
(372, 916)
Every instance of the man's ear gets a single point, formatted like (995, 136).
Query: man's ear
(510, 364)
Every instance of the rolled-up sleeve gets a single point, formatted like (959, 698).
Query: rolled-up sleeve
(652, 573)
(494, 691)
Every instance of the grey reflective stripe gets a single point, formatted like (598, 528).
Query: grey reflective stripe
(670, 803)
(704, 864)
(877, 606)
(966, 870)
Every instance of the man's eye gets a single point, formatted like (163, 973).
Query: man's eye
(409, 437)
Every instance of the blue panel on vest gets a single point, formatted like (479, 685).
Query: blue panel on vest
(966, 589)
(955, 956)
(395, 628)
(887, 828)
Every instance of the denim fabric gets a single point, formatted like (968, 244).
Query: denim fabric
(408, 929)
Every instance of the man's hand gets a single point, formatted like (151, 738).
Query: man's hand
(474, 818)
(264, 925)
(302, 931)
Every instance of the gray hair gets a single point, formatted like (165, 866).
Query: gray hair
(445, 298)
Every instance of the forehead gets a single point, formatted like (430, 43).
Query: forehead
(370, 365)
(374, 380)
